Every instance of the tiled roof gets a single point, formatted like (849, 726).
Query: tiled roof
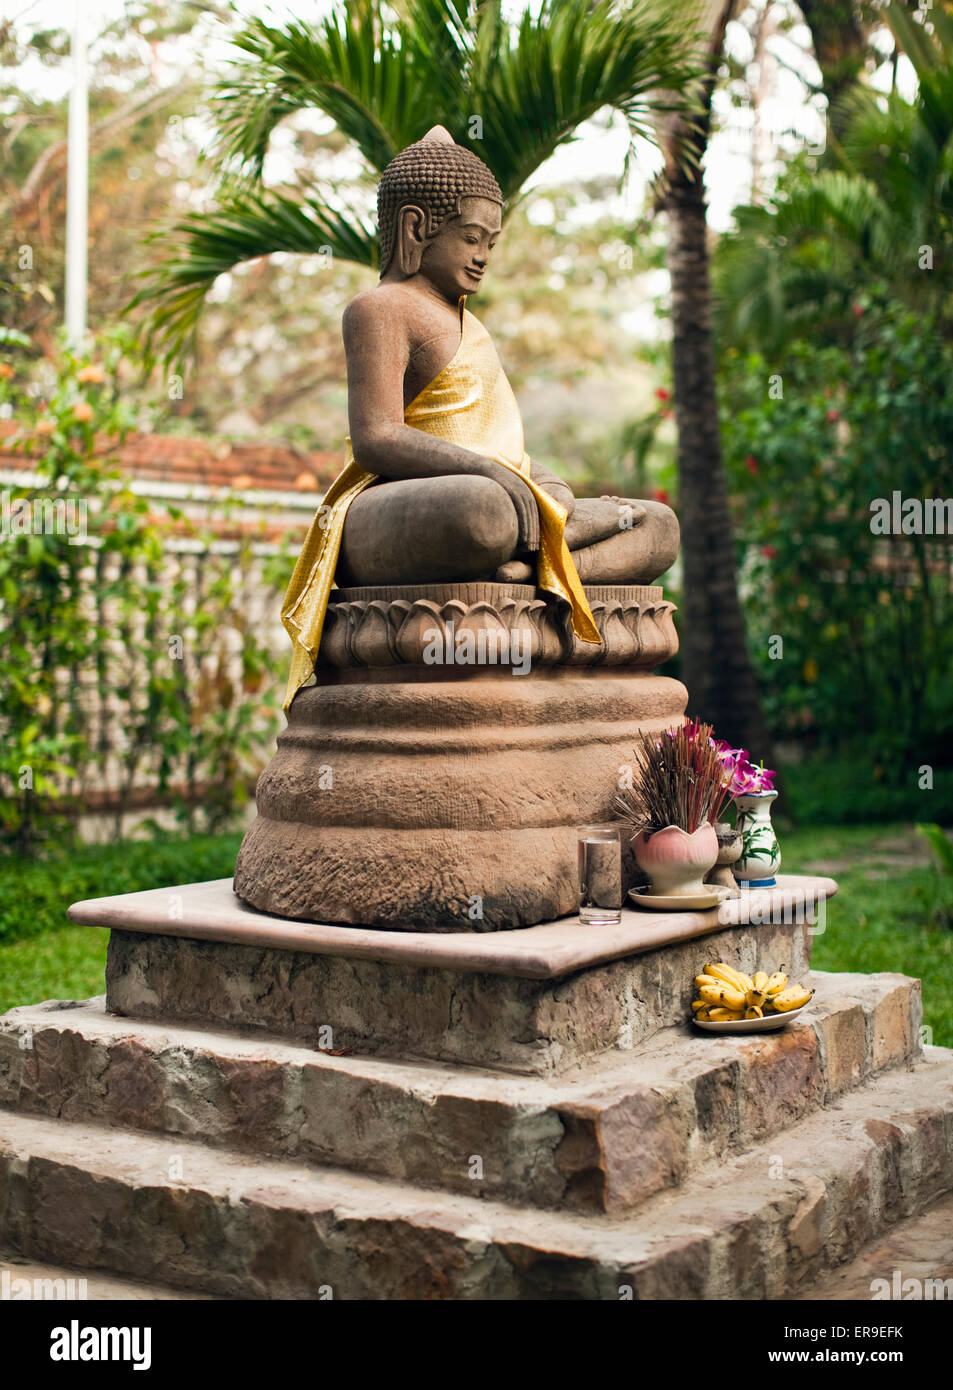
(246, 466)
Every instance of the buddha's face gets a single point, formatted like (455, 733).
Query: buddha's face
(455, 261)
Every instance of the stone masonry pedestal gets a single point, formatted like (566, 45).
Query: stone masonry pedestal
(261, 1108)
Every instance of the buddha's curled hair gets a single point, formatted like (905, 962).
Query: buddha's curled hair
(434, 174)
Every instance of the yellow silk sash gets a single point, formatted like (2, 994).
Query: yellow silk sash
(469, 403)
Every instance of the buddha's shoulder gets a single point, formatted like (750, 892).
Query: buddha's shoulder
(391, 308)
(380, 305)
(371, 310)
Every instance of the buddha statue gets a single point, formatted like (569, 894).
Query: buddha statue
(484, 645)
(438, 486)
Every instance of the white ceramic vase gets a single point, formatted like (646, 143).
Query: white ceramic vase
(760, 853)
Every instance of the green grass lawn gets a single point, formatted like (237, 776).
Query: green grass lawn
(42, 955)
(891, 912)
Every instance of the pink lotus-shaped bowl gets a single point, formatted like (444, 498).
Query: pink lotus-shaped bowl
(675, 861)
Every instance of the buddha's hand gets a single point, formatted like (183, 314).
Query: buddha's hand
(527, 513)
(558, 490)
(596, 519)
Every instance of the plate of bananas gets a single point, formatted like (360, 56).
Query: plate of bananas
(729, 1001)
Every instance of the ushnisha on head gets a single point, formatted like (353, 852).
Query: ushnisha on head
(439, 212)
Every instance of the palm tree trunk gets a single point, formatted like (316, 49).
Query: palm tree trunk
(715, 665)
(840, 33)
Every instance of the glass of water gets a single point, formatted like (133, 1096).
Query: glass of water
(600, 876)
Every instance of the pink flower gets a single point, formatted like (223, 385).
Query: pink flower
(729, 754)
(744, 779)
(833, 415)
(758, 780)
(662, 395)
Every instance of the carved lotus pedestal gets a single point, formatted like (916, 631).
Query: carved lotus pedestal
(423, 784)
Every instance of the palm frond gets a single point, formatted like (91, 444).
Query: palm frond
(912, 38)
(797, 256)
(207, 245)
(384, 78)
(566, 63)
(352, 67)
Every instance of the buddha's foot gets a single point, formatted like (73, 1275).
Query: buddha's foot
(515, 572)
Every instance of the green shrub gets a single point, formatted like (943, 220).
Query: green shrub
(842, 791)
(865, 620)
(125, 663)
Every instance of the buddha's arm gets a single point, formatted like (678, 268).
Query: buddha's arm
(377, 346)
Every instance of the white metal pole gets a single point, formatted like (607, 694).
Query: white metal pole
(77, 183)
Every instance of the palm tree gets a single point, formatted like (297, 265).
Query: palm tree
(840, 35)
(515, 91)
(716, 665)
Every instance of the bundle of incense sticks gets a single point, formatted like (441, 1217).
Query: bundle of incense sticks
(678, 779)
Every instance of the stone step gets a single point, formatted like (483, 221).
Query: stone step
(603, 1137)
(910, 1261)
(761, 1224)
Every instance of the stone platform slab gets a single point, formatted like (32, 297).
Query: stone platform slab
(211, 911)
(26, 1279)
(919, 1249)
(469, 998)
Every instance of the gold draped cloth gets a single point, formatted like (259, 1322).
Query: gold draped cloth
(469, 403)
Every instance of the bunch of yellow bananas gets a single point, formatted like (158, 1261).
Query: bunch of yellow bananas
(726, 994)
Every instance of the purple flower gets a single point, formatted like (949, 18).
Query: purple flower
(731, 757)
(744, 778)
(754, 780)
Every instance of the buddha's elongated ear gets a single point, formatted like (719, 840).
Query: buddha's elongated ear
(411, 240)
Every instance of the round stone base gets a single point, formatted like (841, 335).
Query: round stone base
(444, 805)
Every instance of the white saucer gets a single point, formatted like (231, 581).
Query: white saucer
(676, 902)
(769, 1024)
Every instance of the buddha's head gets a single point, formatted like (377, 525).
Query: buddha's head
(439, 211)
